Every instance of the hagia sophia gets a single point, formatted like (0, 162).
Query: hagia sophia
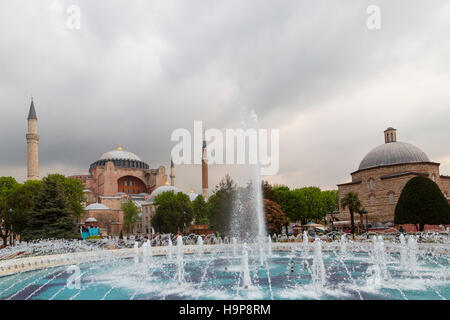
(382, 175)
(116, 177)
(119, 176)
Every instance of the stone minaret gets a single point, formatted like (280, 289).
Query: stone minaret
(204, 172)
(32, 144)
(390, 135)
(172, 173)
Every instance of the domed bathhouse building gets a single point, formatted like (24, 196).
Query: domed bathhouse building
(382, 175)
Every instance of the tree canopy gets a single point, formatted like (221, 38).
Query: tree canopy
(8, 185)
(52, 215)
(422, 202)
(275, 217)
(173, 212)
(130, 215)
(221, 205)
(306, 204)
(200, 210)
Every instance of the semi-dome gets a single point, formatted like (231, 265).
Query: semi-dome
(393, 153)
(119, 155)
(96, 206)
(162, 189)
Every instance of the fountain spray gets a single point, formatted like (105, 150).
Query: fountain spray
(136, 253)
(180, 263)
(200, 245)
(318, 267)
(169, 249)
(245, 270)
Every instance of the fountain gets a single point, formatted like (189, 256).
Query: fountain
(200, 245)
(412, 254)
(403, 252)
(147, 251)
(209, 268)
(136, 253)
(234, 246)
(180, 263)
(246, 281)
(343, 245)
(318, 268)
(379, 268)
(169, 249)
(370, 270)
(305, 243)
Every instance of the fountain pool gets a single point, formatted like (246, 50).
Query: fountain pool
(227, 273)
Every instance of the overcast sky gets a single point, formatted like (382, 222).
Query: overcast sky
(137, 70)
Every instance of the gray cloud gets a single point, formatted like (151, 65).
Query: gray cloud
(136, 71)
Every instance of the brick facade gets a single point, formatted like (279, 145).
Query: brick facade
(112, 185)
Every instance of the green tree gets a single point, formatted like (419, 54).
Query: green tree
(422, 202)
(330, 201)
(312, 208)
(51, 216)
(221, 205)
(200, 210)
(22, 201)
(268, 192)
(173, 212)
(130, 215)
(352, 202)
(73, 193)
(290, 202)
(8, 185)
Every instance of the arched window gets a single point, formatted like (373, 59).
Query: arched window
(372, 200)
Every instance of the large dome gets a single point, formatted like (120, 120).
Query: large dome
(119, 154)
(120, 158)
(393, 153)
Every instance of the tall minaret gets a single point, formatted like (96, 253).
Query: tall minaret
(204, 171)
(32, 144)
(172, 173)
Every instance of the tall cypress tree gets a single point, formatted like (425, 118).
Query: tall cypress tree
(422, 202)
(51, 216)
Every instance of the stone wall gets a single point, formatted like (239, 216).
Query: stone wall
(445, 183)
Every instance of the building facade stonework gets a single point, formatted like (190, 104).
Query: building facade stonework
(116, 177)
(383, 174)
